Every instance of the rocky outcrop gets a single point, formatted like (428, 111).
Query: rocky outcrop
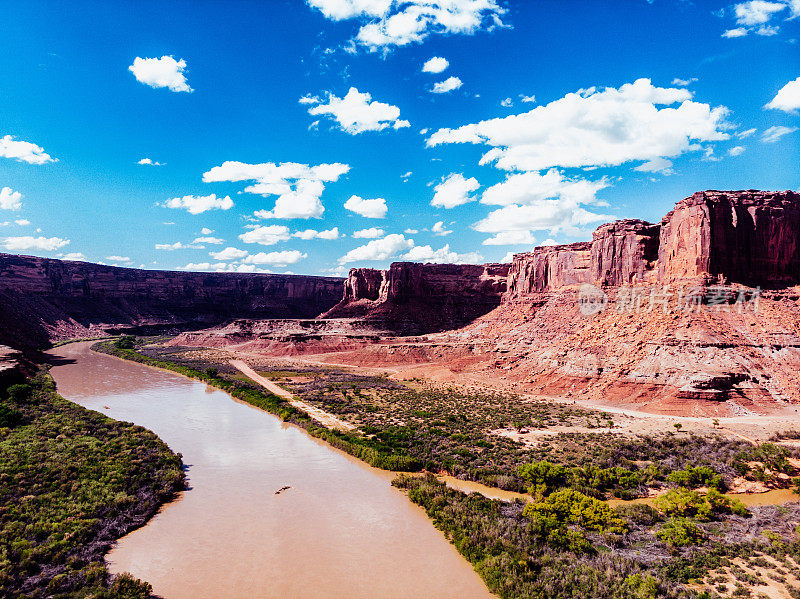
(43, 300)
(412, 298)
(746, 237)
(624, 252)
(749, 237)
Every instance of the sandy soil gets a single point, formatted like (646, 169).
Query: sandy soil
(320, 416)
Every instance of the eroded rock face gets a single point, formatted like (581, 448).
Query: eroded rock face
(624, 252)
(749, 237)
(419, 298)
(43, 299)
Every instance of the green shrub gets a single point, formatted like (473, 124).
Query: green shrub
(640, 513)
(683, 502)
(9, 417)
(125, 342)
(680, 532)
(696, 476)
(573, 507)
(21, 393)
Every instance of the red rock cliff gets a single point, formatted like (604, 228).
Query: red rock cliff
(747, 237)
(421, 298)
(43, 299)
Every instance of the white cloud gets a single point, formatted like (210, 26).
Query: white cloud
(229, 253)
(10, 199)
(75, 257)
(438, 228)
(356, 112)
(402, 22)
(657, 165)
(437, 64)
(177, 246)
(200, 204)
(222, 267)
(411, 231)
(447, 85)
(736, 32)
(117, 258)
(425, 253)
(533, 187)
(314, 234)
(24, 151)
(266, 235)
(454, 190)
(283, 258)
(23, 222)
(684, 82)
(206, 231)
(509, 257)
(406, 175)
(161, 72)
(210, 240)
(787, 98)
(149, 162)
(46, 244)
(511, 238)
(594, 127)
(371, 233)
(527, 99)
(507, 103)
(746, 133)
(773, 134)
(756, 12)
(374, 208)
(378, 249)
(736, 151)
(298, 186)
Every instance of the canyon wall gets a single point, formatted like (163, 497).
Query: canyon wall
(43, 300)
(746, 237)
(412, 298)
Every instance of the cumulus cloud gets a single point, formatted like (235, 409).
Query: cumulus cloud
(206, 231)
(75, 257)
(229, 253)
(736, 151)
(787, 98)
(454, 190)
(593, 127)
(356, 112)
(657, 165)
(118, 258)
(10, 199)
(266, 235)
(283, 258)
(200, 204)
(511, 238)
(507, 103)
(298, 186)
(436, 64)
(684, 82)
(746, 133)
(149, 162)
(448, 85)
(444, 255)
(378, 249)
(24, 151)
(735, 32)
(45, 244)
(371, 233)
(209, 240)
(527, 99)
(773, 134)
(222, 267)
(161, 72)
(438, 228)
(532, 187)
(374, 208)
(388, 23)
(314, 234)
(22, 222)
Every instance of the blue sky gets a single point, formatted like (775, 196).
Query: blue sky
(282, 128)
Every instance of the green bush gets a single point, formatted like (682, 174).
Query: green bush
(573, 507)
(684, 502)
(696, 476)
(640, 513)
(20, 393)
(125, 342)
(9, 417)
(680, 532)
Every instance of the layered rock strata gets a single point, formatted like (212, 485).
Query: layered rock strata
(43, 300)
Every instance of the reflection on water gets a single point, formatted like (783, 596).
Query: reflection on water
(340, 530)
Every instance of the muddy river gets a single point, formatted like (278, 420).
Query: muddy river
(340, 530)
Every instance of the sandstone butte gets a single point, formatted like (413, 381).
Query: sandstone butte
(701, 312)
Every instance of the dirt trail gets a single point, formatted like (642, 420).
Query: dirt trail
(320, 416)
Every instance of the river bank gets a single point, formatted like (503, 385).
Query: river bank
(340, 530)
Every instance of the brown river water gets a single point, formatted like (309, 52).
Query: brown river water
(341, 530)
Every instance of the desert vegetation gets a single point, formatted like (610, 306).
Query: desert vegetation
(566, 540)
(72, 481)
